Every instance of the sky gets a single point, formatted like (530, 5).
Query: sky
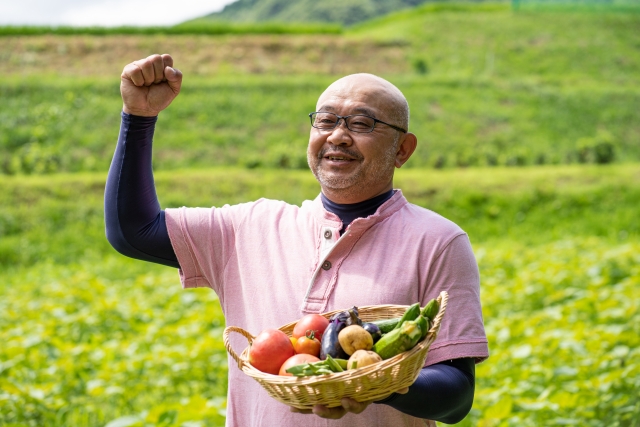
(105, 13)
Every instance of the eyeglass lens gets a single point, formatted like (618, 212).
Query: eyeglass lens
(357, 123)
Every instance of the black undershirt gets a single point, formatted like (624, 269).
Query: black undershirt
(348, 212)
(136, 227)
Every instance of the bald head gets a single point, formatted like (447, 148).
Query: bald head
(371, 89)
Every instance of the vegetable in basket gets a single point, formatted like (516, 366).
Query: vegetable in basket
(431, 309)
(323, 367)
(353, 338)
(412, 313)
(337, 322)
(296, 360)
(373, 329)
(269, 350)
(399, 340)
(362, 358)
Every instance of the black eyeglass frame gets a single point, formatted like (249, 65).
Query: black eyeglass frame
(346, 123)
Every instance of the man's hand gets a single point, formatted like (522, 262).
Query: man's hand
(348, 405)
(149, 85)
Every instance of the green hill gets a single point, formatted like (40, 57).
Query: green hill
(486, 86)
(334, 11)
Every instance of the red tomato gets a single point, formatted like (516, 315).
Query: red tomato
(298, 359)
(311, 322)
(269, 350)
(308, 345)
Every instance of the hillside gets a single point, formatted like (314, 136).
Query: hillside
(334, 11)
(487, 87)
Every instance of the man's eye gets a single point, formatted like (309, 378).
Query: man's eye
(360, 124)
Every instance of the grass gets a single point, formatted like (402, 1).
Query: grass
(503, 89)
(57, 126)
(195, 27)
(91, 337)
(526, 205)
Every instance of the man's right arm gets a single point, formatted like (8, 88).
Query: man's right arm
(135, 224)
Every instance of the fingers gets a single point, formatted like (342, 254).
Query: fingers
(300, 411)
(150, 70)
(329, 413)
(173, 77)
(167, 59)
(158, 68)
(352, 405)
(348, 405)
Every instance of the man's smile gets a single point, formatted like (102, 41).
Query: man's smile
(338, 158)
(338, 155)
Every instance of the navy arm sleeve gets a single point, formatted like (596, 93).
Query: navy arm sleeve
(135, 224)
(442, 392)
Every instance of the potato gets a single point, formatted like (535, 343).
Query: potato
(353, 338)
(362, 358)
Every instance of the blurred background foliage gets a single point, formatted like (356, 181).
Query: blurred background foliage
(528, 121)
(487, 86)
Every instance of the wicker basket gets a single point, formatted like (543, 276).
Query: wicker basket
(370, 383)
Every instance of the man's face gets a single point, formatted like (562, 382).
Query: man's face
(350, 166)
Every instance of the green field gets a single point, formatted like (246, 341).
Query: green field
(90, 336)
(488, 87)
(528, 125)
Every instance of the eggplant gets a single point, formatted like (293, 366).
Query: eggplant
(353, 318)
(374, 330)
(330, 346)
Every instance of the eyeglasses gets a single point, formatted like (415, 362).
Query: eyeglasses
(356, 123)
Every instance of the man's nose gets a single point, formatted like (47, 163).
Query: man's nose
(340, 135)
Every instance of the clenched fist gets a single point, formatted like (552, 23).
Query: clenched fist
(149, 85)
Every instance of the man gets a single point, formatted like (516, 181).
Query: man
(358, 243)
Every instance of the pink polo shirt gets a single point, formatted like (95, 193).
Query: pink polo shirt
(271, 263)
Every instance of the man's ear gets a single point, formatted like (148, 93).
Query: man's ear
(406, 148)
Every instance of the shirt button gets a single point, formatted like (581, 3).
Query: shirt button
(327, 234)
(326, 265)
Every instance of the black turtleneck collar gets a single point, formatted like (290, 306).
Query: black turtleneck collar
(349, 212)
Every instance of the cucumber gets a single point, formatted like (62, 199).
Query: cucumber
(431, 309)
(412, 313)
(399, 340)
(386, 325)
(423, 323)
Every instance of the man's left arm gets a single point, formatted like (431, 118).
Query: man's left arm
(442, 392)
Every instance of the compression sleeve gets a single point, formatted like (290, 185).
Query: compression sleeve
(442, 392)
(134, 223)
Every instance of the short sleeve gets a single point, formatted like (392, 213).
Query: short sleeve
(203, 239)
(462, 333)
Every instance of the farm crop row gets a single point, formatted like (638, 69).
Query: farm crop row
(90, 337)
(64, 126)
(502, 89)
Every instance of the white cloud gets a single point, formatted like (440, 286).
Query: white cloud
(105, 12)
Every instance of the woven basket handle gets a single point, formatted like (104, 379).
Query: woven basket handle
(442, 299)
(227, 345)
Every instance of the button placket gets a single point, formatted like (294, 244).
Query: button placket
(329, 238)
(327, 241)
